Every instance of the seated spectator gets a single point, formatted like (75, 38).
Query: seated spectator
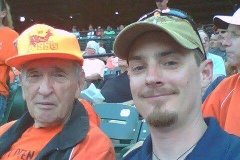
(121, 27)
(109, 32)
(162, 5)
(93, 67)
(218, 63)
(102, 50)
(216, 46)
(90, 33)
(99, 31)
(92, 48)
(117, 88)
(223, 102)
(75, 31)
(112, 62)
(219, 71)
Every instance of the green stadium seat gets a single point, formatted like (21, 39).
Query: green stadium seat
(120, 123)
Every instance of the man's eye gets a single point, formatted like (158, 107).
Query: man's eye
(138, 68)
(33, 75)
(170, 63)
(59, 75)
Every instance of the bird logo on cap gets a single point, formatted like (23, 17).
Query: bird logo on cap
(35, 39)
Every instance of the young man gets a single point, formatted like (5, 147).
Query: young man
(167, 69)
(7, 49)
(224, 102)
(56, 125)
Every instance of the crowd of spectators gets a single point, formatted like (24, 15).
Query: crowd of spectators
(97, 32)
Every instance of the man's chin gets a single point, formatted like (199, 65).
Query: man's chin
(161, 119)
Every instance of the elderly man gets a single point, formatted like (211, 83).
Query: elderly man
(167, 69)
(223, 103)
(56, 125)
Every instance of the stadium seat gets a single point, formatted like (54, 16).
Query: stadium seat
(120, 123)
(16, 106)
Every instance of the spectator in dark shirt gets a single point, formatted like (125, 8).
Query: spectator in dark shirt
(117, 89)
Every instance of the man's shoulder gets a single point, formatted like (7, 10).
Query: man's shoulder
(141, 151)
(96, 145)
(133, 155)
(133, 152)
(226, 85)
(221, 137)
(96, 132)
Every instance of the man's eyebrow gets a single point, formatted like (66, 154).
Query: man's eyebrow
(158, 54)
(56, 68)
(131, 58)
(30, 69)
(163, 54)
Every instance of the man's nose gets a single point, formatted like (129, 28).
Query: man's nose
(45, 87)
(154, 76)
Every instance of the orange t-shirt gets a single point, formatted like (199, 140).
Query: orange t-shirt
(7, 49)
(224, 104)
(31, 143)
(95, 145)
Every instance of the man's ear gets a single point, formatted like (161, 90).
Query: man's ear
(81, 84)
(21, 81)
(206, 73)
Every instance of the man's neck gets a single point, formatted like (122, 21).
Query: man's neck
(172, 143)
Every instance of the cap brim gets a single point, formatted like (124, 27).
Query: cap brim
(125, 38)
(227, 19)
(18, 61)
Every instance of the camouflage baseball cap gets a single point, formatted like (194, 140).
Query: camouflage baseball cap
(179, 29)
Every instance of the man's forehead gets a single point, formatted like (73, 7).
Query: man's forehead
(48, 63)
(167, 53)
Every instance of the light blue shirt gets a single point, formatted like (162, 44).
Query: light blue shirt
(218, 65)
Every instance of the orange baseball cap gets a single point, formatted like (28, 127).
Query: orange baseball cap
(43, 41)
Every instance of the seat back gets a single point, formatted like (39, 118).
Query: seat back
(16, 105)
(118, 121)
